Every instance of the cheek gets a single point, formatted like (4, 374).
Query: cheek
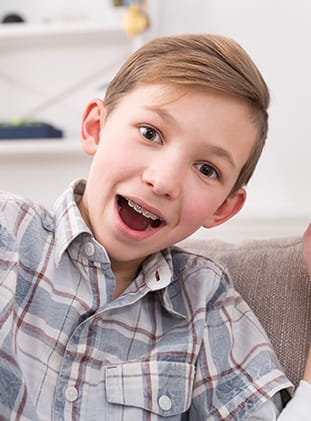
(194, 212)
(111, 167)
(198, 207)
(117, 151)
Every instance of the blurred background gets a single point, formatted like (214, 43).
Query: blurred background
(60, 54)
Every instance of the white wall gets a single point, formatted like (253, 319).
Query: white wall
(276, 34)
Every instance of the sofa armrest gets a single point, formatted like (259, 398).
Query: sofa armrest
(271, 276)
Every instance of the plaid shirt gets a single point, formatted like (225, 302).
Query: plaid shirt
(178, 344)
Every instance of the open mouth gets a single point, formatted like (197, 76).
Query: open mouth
(136, 217)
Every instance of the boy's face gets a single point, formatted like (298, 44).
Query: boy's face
(162, 168)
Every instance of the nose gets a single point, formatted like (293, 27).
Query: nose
(164, 176)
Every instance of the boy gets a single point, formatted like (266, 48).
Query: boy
(101, 317)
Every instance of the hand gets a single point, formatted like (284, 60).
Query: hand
(307, 248)
(307, 373)
(307, 259)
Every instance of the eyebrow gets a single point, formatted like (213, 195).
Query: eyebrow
(222, 153)
(163, 114)
(213, 149)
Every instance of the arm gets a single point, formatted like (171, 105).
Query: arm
(307, 259)
(298, 408)
(300, 405)
(307, 248)
(307, 373)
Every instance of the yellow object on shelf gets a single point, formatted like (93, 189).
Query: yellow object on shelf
(135, 20)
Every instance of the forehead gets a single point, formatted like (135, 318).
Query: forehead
(205, 118)
(165, 94)
(166, 97)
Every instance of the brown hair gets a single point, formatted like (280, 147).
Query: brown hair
(199, 61)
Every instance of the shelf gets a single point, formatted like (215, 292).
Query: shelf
(34, 147)
(85, 30)
(21, 30)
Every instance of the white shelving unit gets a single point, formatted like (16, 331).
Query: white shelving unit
(16, 35)
(42, 168)
(11, 149)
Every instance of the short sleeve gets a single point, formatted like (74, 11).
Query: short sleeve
(237, 370)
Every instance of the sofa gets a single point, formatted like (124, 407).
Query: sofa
(271, 276)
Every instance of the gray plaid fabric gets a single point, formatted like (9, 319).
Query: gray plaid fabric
(179, 344)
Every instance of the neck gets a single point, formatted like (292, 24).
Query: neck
(125, 273)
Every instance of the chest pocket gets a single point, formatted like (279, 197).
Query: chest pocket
(161, 387)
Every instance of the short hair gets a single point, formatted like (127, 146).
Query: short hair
(202, 62)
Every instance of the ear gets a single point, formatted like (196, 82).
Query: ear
(91, 125)
(230, 207)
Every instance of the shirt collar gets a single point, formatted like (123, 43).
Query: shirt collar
(158, 274)
(69, 223)
(157, 269)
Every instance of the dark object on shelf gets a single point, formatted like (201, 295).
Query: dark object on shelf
(118, 3)
(29, 130)
(12, 18)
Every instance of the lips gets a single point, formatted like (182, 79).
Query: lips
(136, 217)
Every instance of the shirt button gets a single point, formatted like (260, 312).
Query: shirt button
(89, 249)
(165, 403)
(71, 393)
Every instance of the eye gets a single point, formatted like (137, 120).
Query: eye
(150, 134)
(208, 171)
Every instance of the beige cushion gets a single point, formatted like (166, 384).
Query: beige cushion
(271, 277)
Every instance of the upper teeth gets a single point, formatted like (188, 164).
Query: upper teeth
(139, 209)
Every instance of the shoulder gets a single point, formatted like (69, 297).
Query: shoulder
(203, 273)
(10, 202)
(14, 209)
(207, 284)
(21, 221)
(185, 261)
